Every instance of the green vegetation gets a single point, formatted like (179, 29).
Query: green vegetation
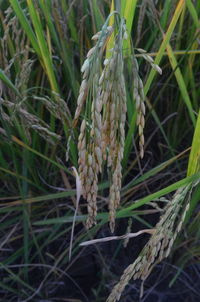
(43, 46)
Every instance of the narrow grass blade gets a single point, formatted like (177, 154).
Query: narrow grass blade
(158, 58)
(25, 24)
(41, 40)
(19, 142)
(37, 39)
(181, 83)
(16, 277)
(159, 193)
(39, 198)
(21, 177)
(46, 7)
(193, 203)
(193, 12)
(126, 212)
(129, 139)
(8, 288)
(71, 20)
(128, 12)
(194, 159)
(96, 15)
(153, 171)
(111, 22)
(166, 39)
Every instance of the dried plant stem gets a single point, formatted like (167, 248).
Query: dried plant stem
(126, 236)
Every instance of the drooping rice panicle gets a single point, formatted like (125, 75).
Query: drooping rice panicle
(102, 134)
(138, 94)
(88, 68)
(114, 99)
(90, 138)
(160, 243)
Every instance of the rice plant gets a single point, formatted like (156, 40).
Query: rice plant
(99, 172)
